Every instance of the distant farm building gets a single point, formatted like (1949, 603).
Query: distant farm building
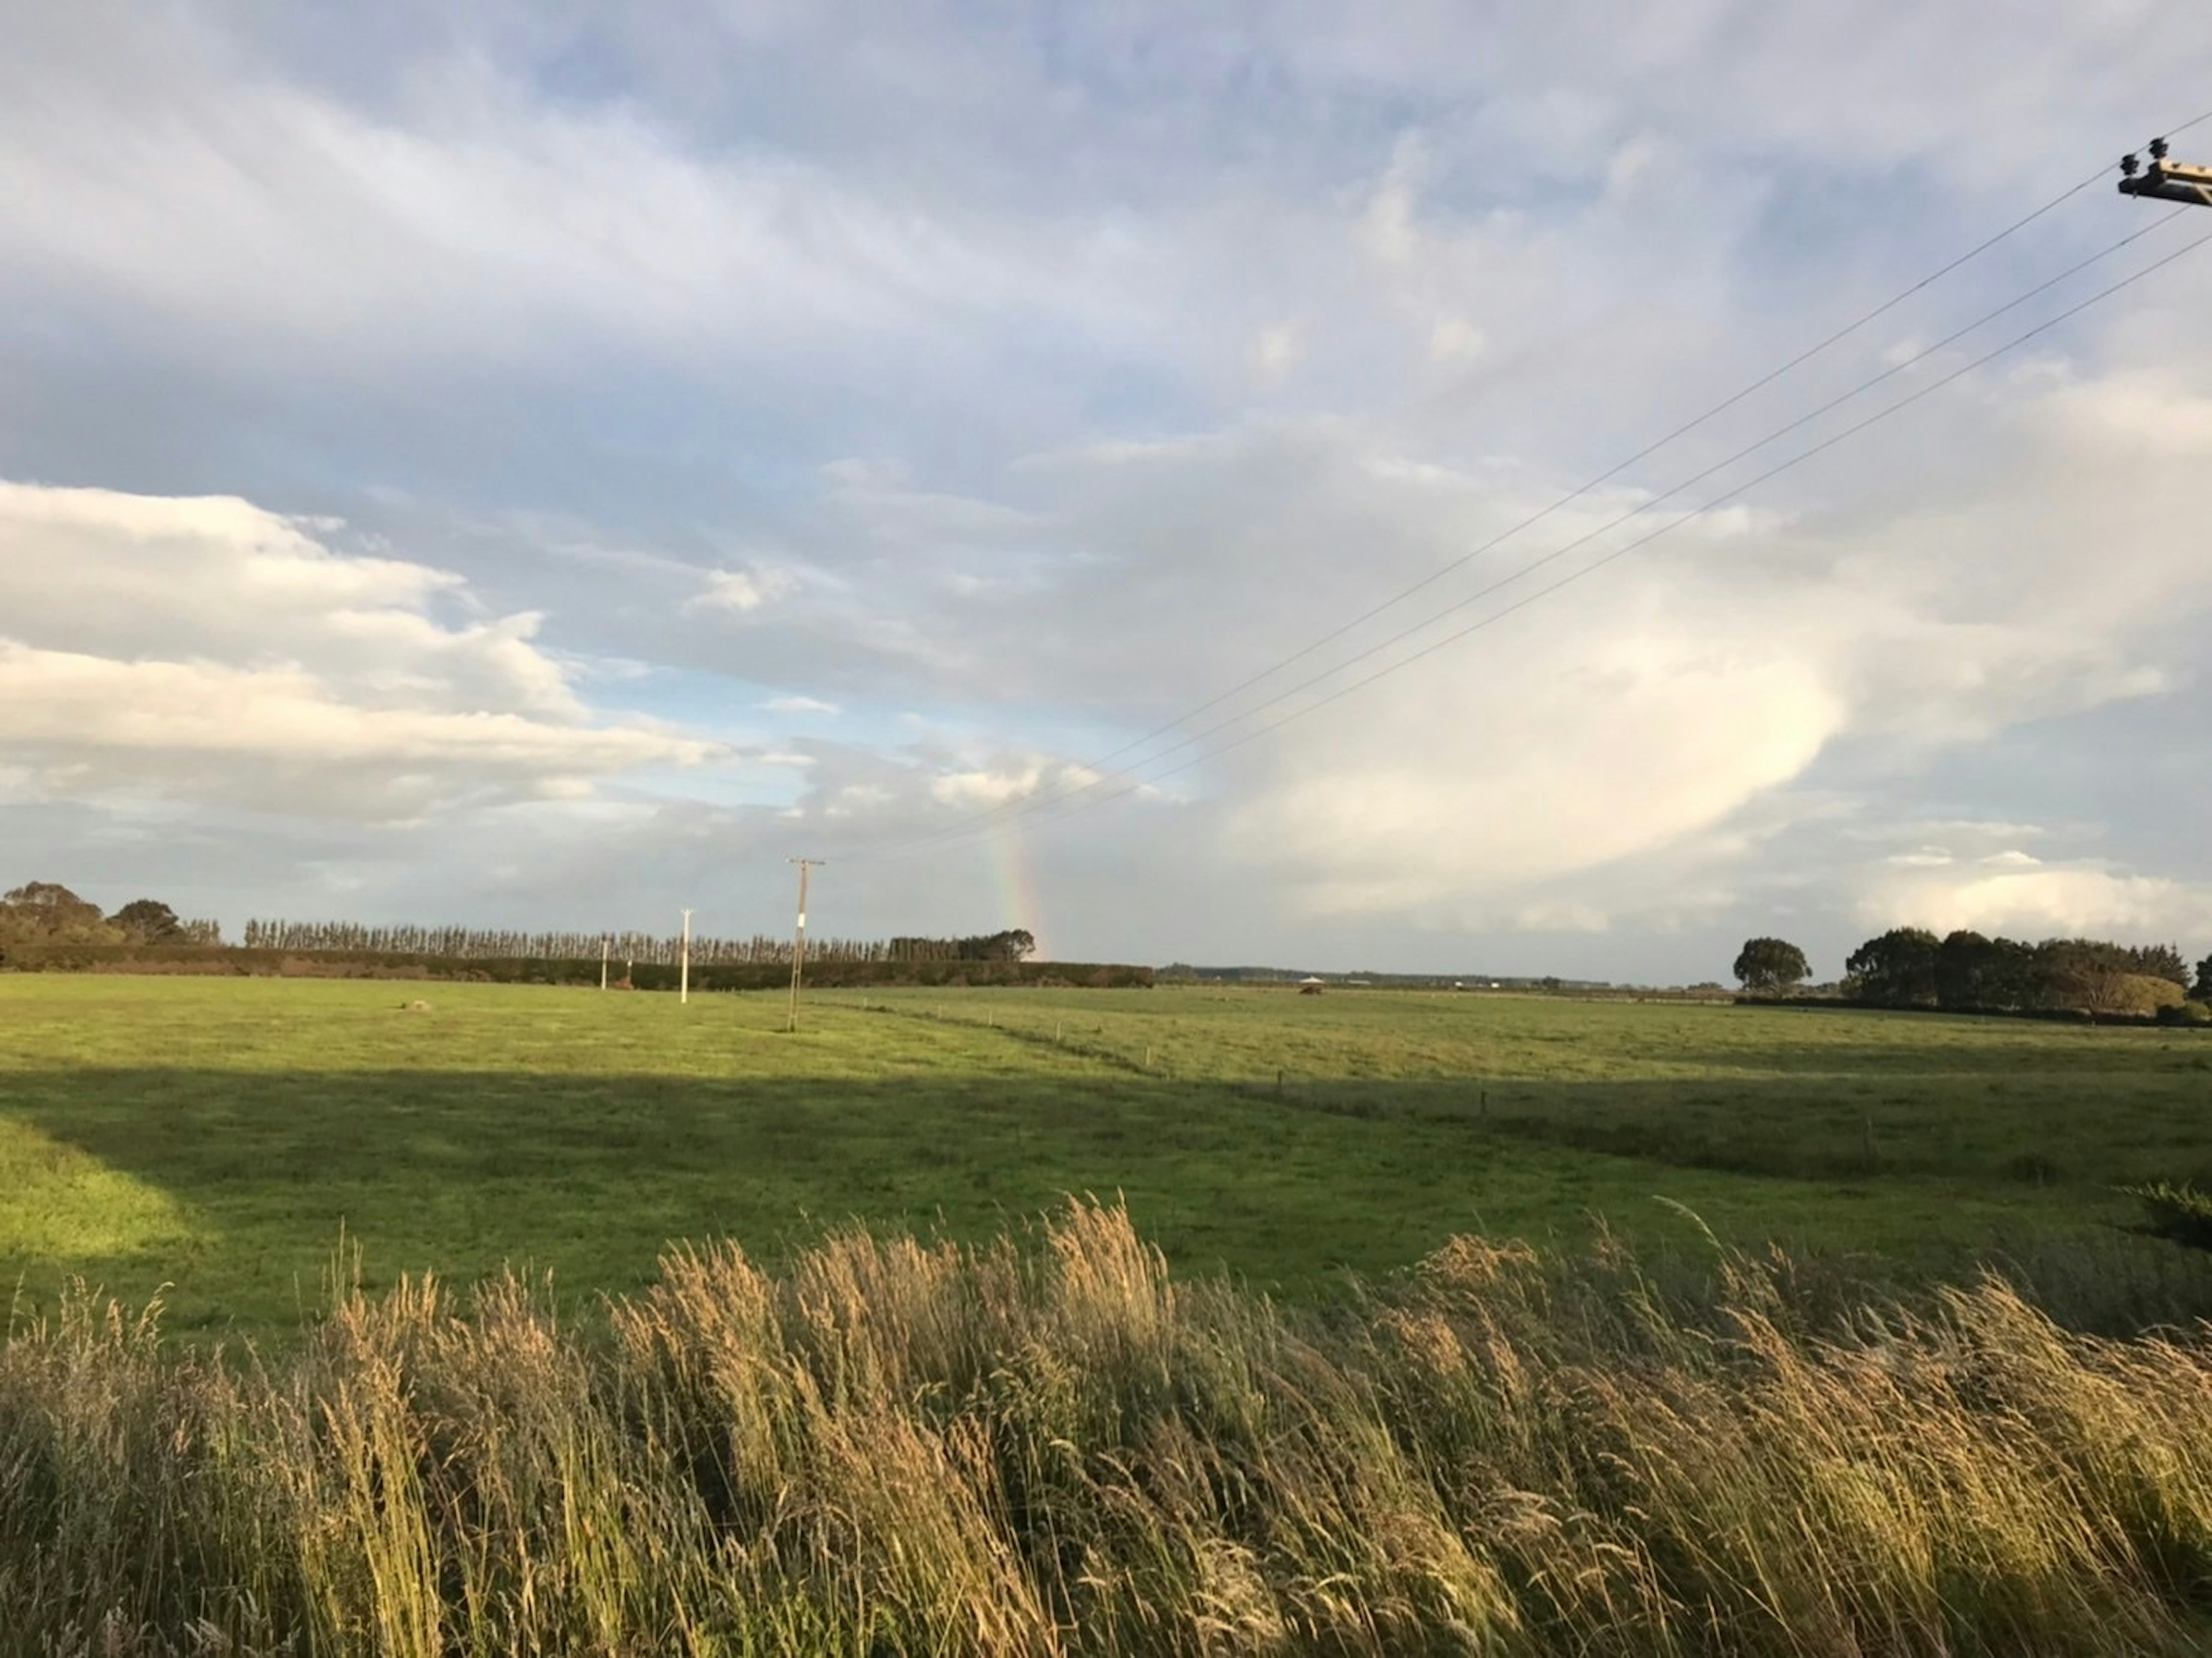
(1309, 987)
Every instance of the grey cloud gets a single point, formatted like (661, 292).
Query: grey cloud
(1051, 371)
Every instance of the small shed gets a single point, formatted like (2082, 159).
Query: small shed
(1309, 985)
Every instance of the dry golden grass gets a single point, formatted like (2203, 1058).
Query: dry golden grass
(900, 1447)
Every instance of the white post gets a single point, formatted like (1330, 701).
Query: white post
(684, 980)
(798, 940)
(605, 946)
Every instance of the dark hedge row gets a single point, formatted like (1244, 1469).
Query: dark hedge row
(2184, 1016)
(713, 977)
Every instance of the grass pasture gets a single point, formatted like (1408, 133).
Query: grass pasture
(213, 1136)
(881, 1407)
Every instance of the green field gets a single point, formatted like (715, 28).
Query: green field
(217, 1136)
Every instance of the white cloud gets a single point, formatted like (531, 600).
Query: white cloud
(855, 800)
(986, 788)
(471, 220)
(801, 705)
(208, 650)
(1460, 782)
(1003, 781)
(1651, 704)
(1561, 918)
(741, 591)
(1275, 353)
(2015, 894)
(1455, 339)
(135, 575)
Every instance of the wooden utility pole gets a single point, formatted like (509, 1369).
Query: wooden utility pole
(798, 937)
(2168, 181)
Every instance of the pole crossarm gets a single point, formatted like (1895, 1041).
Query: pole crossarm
(2164, 180)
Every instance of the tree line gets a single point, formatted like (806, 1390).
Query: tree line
(1965, 972)
(47, 913)
(464, 944)
(489, 944)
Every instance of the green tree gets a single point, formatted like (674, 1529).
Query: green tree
(2160, 961)
(2009, 975)
(1769, 966)
(1897, 970)
(1964, 962)
(2084, 972)
(45, 912)
(2204, 980)
(148, 921)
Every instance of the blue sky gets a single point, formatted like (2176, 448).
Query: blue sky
(544, 465)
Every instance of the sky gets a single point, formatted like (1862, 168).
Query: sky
(547, 464)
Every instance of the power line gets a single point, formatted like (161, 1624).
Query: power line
(1650, 449)
(1719, 501)
(955, 833)
(806, 866)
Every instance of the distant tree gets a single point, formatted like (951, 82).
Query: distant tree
(2008, 975)
(1962, 970)
(1897, 970)
(1769, 966)
(2083, 972)
(2160, 961)
(45, 912)
(148, 921)
(1015, 944)
(2204, 980)
(1973, 972)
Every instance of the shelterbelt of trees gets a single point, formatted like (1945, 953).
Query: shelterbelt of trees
(487, 943)
(44, 925)
(1965, 972)
(46, 912)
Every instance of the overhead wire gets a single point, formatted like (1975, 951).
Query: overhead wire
(1802, 357)
(944, 835)
(958, 832)
(1597, 564)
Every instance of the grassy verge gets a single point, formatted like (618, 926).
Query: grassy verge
(1057, 1447)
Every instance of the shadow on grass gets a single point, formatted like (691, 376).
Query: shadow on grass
(591, 1175)
(2044, 1131)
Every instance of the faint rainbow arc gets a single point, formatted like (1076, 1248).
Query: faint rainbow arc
(1017, 890)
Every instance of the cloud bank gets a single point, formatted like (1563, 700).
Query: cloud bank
(551, 465)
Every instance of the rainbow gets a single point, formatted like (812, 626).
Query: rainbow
(1017, 895)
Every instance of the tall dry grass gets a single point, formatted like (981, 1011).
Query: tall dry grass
(1055, 1448)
